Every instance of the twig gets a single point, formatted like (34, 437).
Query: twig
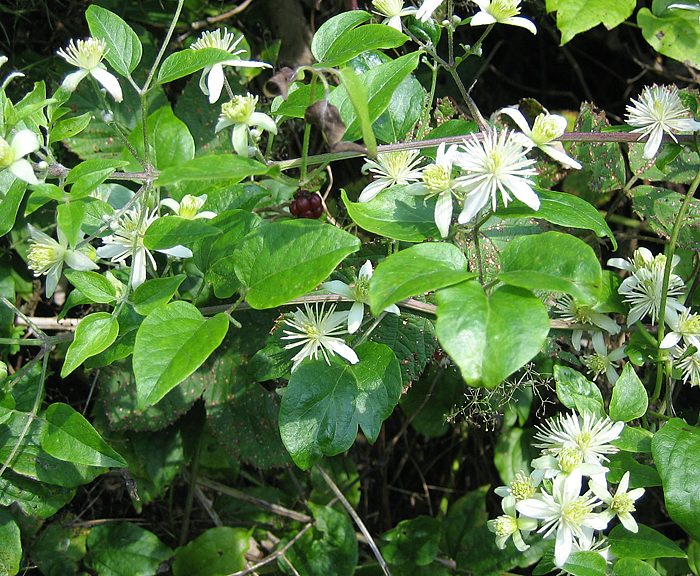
(358, 521)
(276, 554)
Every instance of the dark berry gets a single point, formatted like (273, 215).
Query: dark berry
(302, 204)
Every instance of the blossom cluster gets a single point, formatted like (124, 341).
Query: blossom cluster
(566, 497)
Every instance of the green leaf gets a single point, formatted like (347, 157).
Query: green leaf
(69, 127)
(644, 545)
(334, 28)
(154, 293)
(629, 397)
(585, 564)
(172, 342)
(217, 551)
(189, 61)
(416, 270)
(358, 97)
(323, 405)
(169, 140)
(169, 231)
(89, 174)
(554, 262)
(676, 450)
(301, 98)
(395, 214)
(641, 475)
(562, 209)
(490, 336)
(414, 542)
(357, 40)
(124, 45)
(93, 285)
(11, 548)
(7, 405)
(94, 334)
(576, 16)
(34, 498)
(576, 392)
(403, 112)
(659, 207)
(634, 439)
(70, 437)
(673, 34)
(283, 260)
(58, 550)
(328, 548)
(381, 82)
(633, 567)
(230, 167)
(69, 218)
(121, 548)
(9, 205)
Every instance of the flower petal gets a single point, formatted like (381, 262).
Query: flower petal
(215, 82)
(372, 189)
(653, 143)
(342, 349)
(23, 170)
(443, 213)
(239, 139)
(79, 261)
(71, 81)
(177, 252)
(339, 288)
(482, 19)
(555, 150)
(24, 142)
(357, 313)
(521, 23)
(264, 121)
(109, 82)
(517, 116)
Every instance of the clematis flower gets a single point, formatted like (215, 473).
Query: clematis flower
(569, 464)
(689, 364)
(240, 113)
(510, 525)
(643, 288)
(426, 9)
(685, 326)
(522, 487)
(438, 181)
(603, 361)
(212, 79)
(188, 207)
(12, 155)
(658, 110)
(570, 310)
(126, 241)
(565, 513)
(393, 11)
(87, 55)
(46, 257)
(390, 169)
(317, 330)
(621, 504)
(501, 12)
(358, 292)
(545, 129)
(496, 163)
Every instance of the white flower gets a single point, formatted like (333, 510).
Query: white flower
(545, 129)
(522, 487)
(496, 163)
(621, 504)
(568, 309)
(591, 437)
(87, 55)
(359, 294)
(390, 169)
(426, 9)
(127, 241)
(501, 12)
(240, 113)
(565, 512)
(438, 181)
(658, 110)
(12, 154)
(212, 79)
(393, 11)
(46, 257)
(317, 330)
(602, 361)
(642, 289)
(568, 463)
(686, 326)
(509, 525)
(188, 207)
(690, 365)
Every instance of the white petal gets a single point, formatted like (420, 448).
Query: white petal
(24, 142)
(670, 340)
(473, 203)
(522, 23)
(620, 263)
(653, 143)
(239, 139)
(264, 121)
(171, 203)
(394, 22)
(52, 278)
(563, 546)
(23, 170)
(482, 19)
(443, 213)
(357, 313)
(339, 288)
(372, 189)
(111, 250)
(223, 123)
(342, 349)
(215, 82)
(109, 82)
(79, 261)
(426, 9)
(554, 151)
(517, 117)
(247, 64)
(203, 81)
(523, 192)
(533, 508)
(138, 265)
(71, 81)
(629, 522)
(366, 270)
(605, 322)
(393, 309)
(177, 252)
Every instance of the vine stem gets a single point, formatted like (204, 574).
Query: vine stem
(163, 48)
(356, 518)
(670, 251)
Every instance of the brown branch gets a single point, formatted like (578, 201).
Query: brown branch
(276, 554)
